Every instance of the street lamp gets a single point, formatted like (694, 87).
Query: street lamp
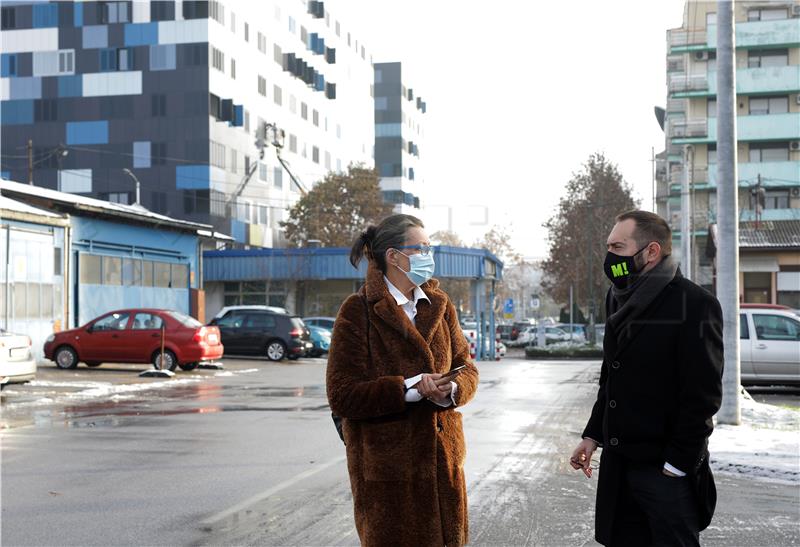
(138, 185)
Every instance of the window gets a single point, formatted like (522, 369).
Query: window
(9, 18)
(66, 62)
(161, 10)
(180, 276)
(263, 217)
(158, 155)
(217, 59)
(247, 121)
(744, 330)
(262, 43)
(119, 197)
(769, 151)
(292, 25)
(293, 143)
(277, 95)
(233, 22)
(195, 55)
(293, 104)
(234, 160)
(767, 14)
(233, 68)
(378, 72)
(769, 105)
(262, 172)
(387, 130)
(158, 104)
(89, 269)
(316, 118)
(277, 54)
(246, 32)
(776, 327)
(46, 110)
(131, 272)
(262, 86)
(195, 9)
(147, 273)
(381, 103)
(108, 60)
(112, 270)
(9, 65)
(162, 57)
(757, 287)
(114, 321)
(776, 199)
(217, 154)
(161, 274)
(762, 58)
(304, 111)
(217, 11)
(113, 12)
(278, 177)
(712, 154)
(147, 321)
(711, 108)
(315, 154)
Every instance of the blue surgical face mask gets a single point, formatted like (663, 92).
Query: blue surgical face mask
(422, 267)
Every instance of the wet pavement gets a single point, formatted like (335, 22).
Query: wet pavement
(249, 456)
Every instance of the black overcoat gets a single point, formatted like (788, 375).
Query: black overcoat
(659, 389)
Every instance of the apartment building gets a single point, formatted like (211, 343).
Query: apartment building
(399, 136)
(102, 98)
(767, 38)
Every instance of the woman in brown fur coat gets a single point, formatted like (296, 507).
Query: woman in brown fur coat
(392, 343)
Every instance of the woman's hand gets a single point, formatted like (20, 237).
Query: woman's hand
(429, 388)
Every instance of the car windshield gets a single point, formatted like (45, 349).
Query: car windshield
(185, 320)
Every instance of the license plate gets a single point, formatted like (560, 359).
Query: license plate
(213, 338)
(19, 353)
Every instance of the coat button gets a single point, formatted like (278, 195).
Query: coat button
(615, 365)
(612, 403)
(614, 441)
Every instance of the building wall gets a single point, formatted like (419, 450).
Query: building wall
(137, 91)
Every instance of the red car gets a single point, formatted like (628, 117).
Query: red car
(134, 336)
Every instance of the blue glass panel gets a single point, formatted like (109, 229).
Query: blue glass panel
(5, 175)
(70, 86)
(141, 34)
(77, 15)
(319, 83)
(238, 230)
(108, 60)
(193, 177)
(16, 112)
(45, 15)
(87, 132)
(9, 65)
(238, 115)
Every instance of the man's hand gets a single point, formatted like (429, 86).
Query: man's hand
(429, 388)
(582, 457)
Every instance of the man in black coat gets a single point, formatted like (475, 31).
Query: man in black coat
(660, 386)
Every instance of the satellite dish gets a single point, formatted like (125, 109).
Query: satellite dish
(660, 113)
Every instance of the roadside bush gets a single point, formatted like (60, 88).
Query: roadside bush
(565, 352)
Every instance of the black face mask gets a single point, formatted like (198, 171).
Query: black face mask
(619, 269)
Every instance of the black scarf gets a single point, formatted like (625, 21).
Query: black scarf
(626, 305)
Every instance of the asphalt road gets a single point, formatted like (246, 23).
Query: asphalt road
(249, 456)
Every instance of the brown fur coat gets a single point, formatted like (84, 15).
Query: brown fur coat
(405, 459)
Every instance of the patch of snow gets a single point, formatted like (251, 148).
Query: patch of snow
(765, 445)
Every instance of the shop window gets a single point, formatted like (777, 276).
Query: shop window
(90, 268)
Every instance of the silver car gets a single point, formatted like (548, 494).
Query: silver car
(16, 361)
(769, 345)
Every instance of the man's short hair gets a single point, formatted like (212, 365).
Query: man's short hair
(649, 227)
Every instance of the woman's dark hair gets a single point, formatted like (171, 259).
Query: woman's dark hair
(376, 240)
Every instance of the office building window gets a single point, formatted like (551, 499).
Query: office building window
(108, 60)
(162, 57)
(277, 54)
(277, 180)
(769, 105)
(262, 172)
(158, 153)
(46, 110)
(262, 86)
(315, 154)
(767, 14)
(328, 161)
(769, 151)
(158, 104)
(293, 104)
(217, 59)
(195, 55)
(262, 43)
(304, 111)
(712, 154)
(113, 12)
(195, 9)
(388, 129)
(161, 10)
(762, 58)
(316, 118)
(246, 32)
(381, 103)
(119, 197)
(247, 121)
(292, 143)
(234, 160)
(277, 95)
(233, 68)
(9, 18)
(233, 22)
(217, 11)
(218, 154)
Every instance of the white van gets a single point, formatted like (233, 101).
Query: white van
(769, 344)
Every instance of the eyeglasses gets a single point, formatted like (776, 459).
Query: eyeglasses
(421, 247)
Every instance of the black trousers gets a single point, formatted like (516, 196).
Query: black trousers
(654, 509)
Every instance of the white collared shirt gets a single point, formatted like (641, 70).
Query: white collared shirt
(410, 309)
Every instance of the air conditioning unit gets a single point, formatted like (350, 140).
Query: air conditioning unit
(701, 56)
(796, 10)
(795, 192)
(797, 98)
(794, 145)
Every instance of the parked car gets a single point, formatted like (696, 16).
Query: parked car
(321, 339)
(226, 309)
(578, 331)
(520, 326)
(471, 337)
(262, 332)
(769, 344)
(134, 336)
(324, 322)
(506, 332)
(17, 365)
(530, 336)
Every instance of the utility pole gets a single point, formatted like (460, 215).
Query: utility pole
(653, 174)
(728, 212)
(30, 161)
(686, 216)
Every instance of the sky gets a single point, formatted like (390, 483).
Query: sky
(519, 95)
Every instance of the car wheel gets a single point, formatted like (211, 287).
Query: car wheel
(276, 350)
(93, 364)
(188, 366)
(170, 361)
(65, 358)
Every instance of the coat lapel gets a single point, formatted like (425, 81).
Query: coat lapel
(634, 327)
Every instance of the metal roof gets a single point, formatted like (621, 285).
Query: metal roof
(334, 263)
(768, 235)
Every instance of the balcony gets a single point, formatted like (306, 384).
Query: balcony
(774, 174)
(676, 105)
(680, 40)
(676, 63)
(699, 175)
(689, 129)
(754, 34)
(682, 82)
(773, 127)
(752, 81)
